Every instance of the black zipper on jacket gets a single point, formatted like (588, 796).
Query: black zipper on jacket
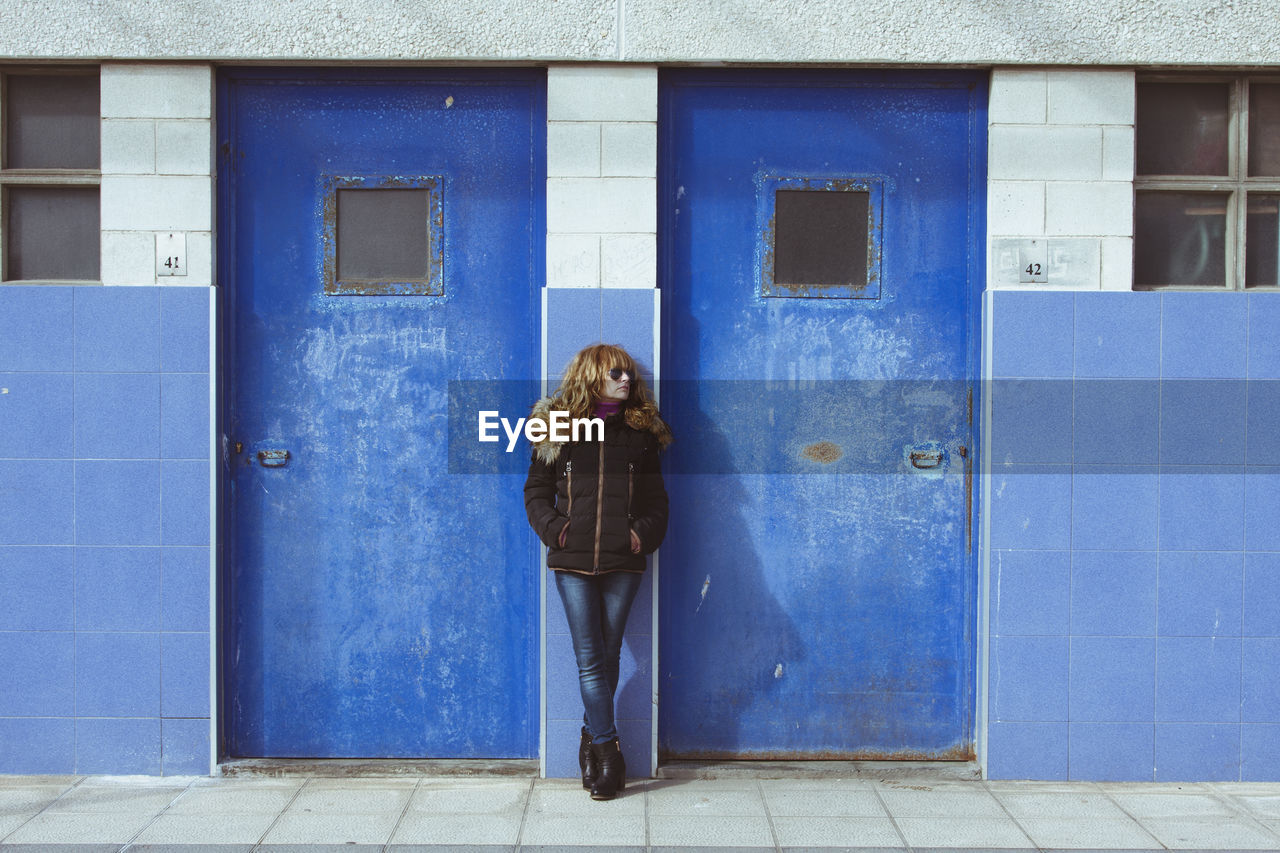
(595, 564)
(568, 472)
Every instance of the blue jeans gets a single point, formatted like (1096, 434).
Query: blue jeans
(597, 608)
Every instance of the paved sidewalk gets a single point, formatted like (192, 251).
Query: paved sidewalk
(436, 813)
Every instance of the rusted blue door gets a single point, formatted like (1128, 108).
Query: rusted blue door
(380, 238)
(821, 256)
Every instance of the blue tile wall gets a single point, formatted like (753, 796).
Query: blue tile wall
(1262, 440)
(1261, 595)
(104, 389)
(118, 589)
(1031, 507)
(38, 745)
(184, 330)
(118, 746)
(117, 503)
(184, 670)
(36, 329)
(1199, 679)
(37, 588)
(1260, 684)
(1197, 752)
(1200, 593)
(117, 415)
(117, 329)
(1116, 421)
(1156, 536)
(184, 416)
(1115, 507)
(35, 415)
(577, 318)
(1032, 588)
(1262, 507)
(1200, 508)
(185, 745)
(1111, 752)
(1259, 752)
(39, 668)
(1203, 335)
(1117, 335)
(1188, 436)
(1027, 750)
(184, 595)
(1033, 336)
(36, 502)
(1113, 593)
(1029, 678)
(117, 674)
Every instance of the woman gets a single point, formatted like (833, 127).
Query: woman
(599, 507)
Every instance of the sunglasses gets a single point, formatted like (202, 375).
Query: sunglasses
(616, 373)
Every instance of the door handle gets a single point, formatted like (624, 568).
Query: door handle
(273, 458)
(925, 459)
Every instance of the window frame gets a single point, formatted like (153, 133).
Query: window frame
(41, 177)
(1237, 182)
(768, 186)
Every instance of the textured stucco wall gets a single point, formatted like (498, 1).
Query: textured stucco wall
(1138, 32)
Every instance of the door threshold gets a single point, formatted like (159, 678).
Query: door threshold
(352, 768)
(892, 771)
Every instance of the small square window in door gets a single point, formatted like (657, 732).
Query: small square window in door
(820, 237)
(383, 236)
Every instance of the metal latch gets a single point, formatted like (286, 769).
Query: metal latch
(924, 459)
(273, 458)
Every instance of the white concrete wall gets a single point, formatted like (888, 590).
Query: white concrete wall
(602, 160)
(157, 169)
(1016, 32)
(1060, 171)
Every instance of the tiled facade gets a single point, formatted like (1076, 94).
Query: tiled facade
(104, 530)
(1130, 555)
(1132, 544)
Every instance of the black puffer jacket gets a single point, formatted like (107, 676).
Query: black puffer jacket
(603, 491)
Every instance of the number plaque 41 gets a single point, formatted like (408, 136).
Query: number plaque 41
(171, 254)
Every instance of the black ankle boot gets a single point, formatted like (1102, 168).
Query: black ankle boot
(612, 777)
(587, 761)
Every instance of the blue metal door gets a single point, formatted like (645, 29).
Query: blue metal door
(821, 265)
(381, 240)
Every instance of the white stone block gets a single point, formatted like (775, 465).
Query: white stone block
(602, 93)
(630, 150)
(1117, 263)
(1092, 208)
(573, 260)
(1091, 97)
(601, 205)
(156, 203)
(1015, 208)
(150, 90)
(1018, 96)
(128, 258)
(199, 261)
(184, 147)
(1044, 153)
(573, 149)
(128, 147)
(1117, 154)
(629, 260)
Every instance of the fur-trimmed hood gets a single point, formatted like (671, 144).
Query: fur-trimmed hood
(643, 417)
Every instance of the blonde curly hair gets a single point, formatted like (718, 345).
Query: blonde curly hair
(585, 375)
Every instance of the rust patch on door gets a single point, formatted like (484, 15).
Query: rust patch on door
(825, 452)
